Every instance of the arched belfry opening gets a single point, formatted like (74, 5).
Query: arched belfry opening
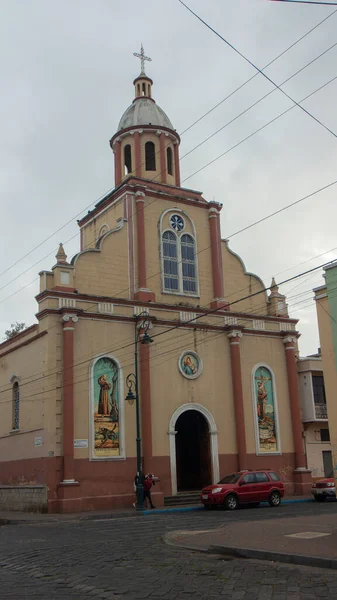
(192, 451)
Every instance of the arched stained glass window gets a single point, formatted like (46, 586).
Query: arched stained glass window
(265, 410)
(188, 263)
(150, 156)
(170, 258)
(16, 406)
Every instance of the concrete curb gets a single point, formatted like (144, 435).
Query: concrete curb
(294, 559)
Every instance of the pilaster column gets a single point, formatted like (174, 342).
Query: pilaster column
(217, 272)
(118, 163)
(68, 321)
(176, 164)
(138, 166)
(145, 396)
(143, 293)
(234, 341)
(163, 168)
(294, 397)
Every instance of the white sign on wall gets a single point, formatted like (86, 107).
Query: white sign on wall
(80, 443)
(38, 441)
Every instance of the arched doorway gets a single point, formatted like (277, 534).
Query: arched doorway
(193, 455)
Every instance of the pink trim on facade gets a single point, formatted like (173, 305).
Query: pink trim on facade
(176, 165)
(294, 397)
(235, 350)
(118, 164)
(138, 166)
(68, 397)
(129, 217)
(217, 270)
(162, 158)
(141, 253)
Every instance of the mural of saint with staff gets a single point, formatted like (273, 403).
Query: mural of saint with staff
(265, 411)
(106, 408)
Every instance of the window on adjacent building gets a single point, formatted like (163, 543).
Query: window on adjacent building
(170, 258)
(188, 263)
(150, 156)
(319, 390)
(16, 406)
(127, 159)
(169, 161)
(325, 435)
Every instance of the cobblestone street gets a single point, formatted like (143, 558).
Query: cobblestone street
(127, 559)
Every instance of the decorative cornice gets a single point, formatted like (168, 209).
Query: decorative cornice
(290, 339)
(234, 333)
(69, 317)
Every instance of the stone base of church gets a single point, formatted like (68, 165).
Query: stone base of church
(302, 482)
(108, 485)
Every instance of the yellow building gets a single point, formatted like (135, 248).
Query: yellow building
(218, 386)
(326, 306)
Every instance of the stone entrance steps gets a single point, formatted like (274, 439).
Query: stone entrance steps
(182, 499)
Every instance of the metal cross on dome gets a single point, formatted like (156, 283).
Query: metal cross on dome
(143, 58)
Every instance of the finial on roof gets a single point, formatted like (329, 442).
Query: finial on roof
(273, 286)
(61, 256)
(143, 58)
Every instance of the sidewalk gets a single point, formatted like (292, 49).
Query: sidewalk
(21, 518)
(309, 540)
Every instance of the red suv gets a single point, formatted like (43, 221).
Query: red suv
(244, 487)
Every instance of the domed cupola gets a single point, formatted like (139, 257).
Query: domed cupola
(146, 145)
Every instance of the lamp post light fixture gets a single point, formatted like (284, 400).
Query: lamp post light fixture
(142, 324)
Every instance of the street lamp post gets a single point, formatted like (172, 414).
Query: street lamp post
(142, 325)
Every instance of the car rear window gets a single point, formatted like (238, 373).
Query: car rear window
(273, 476)
(232, 478)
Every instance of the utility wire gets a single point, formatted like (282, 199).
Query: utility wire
(258, 69)
(182, 133)
(256, 131)
(307, 2)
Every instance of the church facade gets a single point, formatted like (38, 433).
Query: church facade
(218, 385)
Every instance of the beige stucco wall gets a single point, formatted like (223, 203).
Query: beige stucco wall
(95, 339)
(104, 271)
(314, 448)
(269, 352)
(109, 217)
(238, 284)
(213, 389)
(329, 369)
(28, 364)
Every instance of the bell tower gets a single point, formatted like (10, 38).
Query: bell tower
(146, 145)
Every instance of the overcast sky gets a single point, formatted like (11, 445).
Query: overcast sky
(66, 78)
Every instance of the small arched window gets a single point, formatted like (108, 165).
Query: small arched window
(169, 161)
(150, 156)
(138, 89)
(127, 159)
(143, 89)
(170, 258)
(188, 264)
(16, 406)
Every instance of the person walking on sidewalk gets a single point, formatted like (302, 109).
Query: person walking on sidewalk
(148, 482)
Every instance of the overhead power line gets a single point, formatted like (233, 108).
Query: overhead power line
(258, 69)
(307, 2)
(182, 133)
